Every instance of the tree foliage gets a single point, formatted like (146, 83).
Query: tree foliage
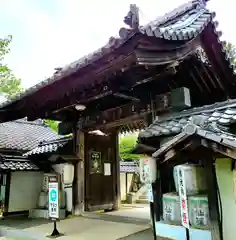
(52, 124)
(231, 51)
(9, 84)
(126, 144)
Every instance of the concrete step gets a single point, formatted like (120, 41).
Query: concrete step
(142, 201)
(143, 197)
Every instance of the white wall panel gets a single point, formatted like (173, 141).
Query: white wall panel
(25, 187)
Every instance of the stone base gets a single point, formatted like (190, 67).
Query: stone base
(43, 213)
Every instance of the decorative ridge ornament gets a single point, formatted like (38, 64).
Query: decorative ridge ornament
(132, 18)
(190, 129)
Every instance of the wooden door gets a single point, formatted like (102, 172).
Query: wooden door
(100, 173)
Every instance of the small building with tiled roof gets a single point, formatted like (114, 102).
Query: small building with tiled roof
(21, 177)
(203, 136)
(220, 117)
(22, 135)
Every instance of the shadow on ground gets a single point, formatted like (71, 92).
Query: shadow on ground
(22, 222)
(146, 234)
(143, 235)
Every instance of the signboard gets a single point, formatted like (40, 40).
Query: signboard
(148, 170)
(53, 195)
(96, 162)
(150, 193)
(183, 198)
(107, 169)
(144, 171)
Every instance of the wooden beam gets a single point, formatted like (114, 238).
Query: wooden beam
(133, 110)
(125, 96)
(214, 54)
(117, 84)
(116, 178)
(80, 173)
(219, 148)
(209, 164)
(156, 207)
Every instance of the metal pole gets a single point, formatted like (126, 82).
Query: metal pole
(55, 232)
(152, 210)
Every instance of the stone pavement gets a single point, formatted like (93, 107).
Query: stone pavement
(79, 228)
(140, 211)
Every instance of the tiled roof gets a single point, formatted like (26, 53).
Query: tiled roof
(129, 167)
(183, 23)
(24, 135)
(49, 146)
(207, 131)
(16, 163)
(222, 114)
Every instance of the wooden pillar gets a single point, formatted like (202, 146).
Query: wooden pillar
(116, 171)
(80, 178)
(155, 206)
(214, 213)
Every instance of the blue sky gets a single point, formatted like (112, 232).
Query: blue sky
(53, 33)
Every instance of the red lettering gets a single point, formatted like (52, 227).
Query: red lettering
(183, 204)
(184, 218)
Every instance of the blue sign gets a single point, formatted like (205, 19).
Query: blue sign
(53, 195)
(53, 198)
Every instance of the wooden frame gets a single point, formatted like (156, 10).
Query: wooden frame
(7, 191)
(208, 160)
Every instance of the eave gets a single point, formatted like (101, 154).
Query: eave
(166, 40)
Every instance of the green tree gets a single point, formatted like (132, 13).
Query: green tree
(126, 144)
(52, 124)
(9, 84)
(231, 51)
(4, 49)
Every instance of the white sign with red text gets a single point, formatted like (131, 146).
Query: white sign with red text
(183, 198)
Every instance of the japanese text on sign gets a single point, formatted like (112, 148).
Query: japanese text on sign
(150, 193)
(53, 205)
(183, 198)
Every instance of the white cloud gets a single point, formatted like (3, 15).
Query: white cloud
(43, 41)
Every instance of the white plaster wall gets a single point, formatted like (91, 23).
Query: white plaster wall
(122, 187)
(225, 182)
(25, 187)
(123, 184)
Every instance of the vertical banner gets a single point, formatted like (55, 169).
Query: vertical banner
(150, 193)
(53, 195)
(183, 198)
(148, 175)
(148, 170)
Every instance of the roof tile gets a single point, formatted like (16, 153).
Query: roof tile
(222, 114)
(183, 23)
(24, 135)
(49, 146)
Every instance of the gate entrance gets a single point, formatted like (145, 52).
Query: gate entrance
(100, 173)
(146, 72)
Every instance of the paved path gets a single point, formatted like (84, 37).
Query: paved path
(80, 228)
(135, 211)
(142, 235)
